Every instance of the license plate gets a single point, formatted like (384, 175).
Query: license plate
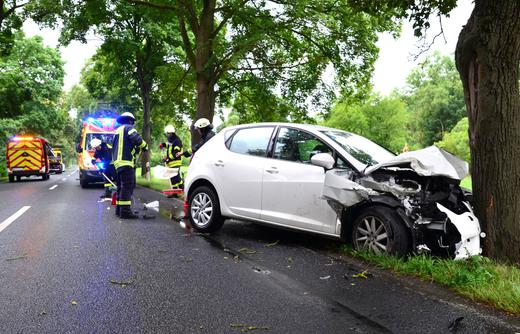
(18, 169)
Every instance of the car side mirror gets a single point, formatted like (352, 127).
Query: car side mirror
(79, 149)
(324, 160)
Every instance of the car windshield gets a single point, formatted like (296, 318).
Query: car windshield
(365, 151)
(104, 137)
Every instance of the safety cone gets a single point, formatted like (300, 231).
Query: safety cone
(114, 201)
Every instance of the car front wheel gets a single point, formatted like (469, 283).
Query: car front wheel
(204, 210)
(380, 230)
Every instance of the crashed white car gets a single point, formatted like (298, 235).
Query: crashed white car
(331, 182)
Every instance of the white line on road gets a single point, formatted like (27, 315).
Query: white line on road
(11, 219)
(53, 187)
(64, 179)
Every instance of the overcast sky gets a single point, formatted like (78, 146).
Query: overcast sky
(394, 63)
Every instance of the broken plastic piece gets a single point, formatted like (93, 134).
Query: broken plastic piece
(469, 228)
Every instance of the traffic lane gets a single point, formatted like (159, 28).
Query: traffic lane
(402, 304)
(70, 266)
(16, 194)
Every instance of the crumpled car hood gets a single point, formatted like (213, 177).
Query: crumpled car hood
(430, 161)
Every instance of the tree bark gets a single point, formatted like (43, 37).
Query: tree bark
(487, 58)
(205, 66)
(145, 88)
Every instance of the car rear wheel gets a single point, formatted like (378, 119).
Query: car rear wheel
(204, 210)
(380, 230)
(11, 178)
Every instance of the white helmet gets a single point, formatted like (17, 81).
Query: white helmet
(202, 123)
(95, 143)
(126, 115)
(169, 129)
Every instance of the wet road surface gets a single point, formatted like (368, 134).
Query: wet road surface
(68, 265)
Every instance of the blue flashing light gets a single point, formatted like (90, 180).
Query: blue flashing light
(100, 165)
(90, 120)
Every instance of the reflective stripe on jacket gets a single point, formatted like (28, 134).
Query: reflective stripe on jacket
(126, 146)
(171, 153)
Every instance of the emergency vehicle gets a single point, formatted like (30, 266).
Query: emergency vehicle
(101, 128)
(55, 162)
(26, 156)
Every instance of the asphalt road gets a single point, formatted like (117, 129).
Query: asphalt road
(68, 265)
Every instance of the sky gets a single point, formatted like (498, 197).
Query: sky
(396, 58)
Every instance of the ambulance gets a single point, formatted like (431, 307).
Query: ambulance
(101, 128)
(27, 156)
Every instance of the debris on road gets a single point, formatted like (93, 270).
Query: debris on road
(23, 256)
(43, 312)
(325, 277)
(289, 259)
(269, 245)
(363, 274)
(121, 283)
(152, 205)
(331, 262)
(454, 325)
(261, 271)
(73, 302)
(246, 328)
(246, 250)
(186, 259)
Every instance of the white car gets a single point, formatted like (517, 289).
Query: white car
(334, 183)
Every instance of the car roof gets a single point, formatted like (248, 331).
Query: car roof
(310, 127)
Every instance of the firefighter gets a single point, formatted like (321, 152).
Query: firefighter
(126, 145)
(173, 155)
(204, 128)
(103, 153)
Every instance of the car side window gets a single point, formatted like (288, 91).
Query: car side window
(251, 141)
(298, 146)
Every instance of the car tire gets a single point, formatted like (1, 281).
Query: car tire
(18, 178)
(204, 210)
(11, 178)
(83, 183)
(381, 230)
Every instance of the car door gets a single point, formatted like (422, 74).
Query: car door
(238, 170)
(292, 186)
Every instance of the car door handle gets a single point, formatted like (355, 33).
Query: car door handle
(272, 170)
(219, 163)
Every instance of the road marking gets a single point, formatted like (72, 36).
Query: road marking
(11, 219)
(53, 187)
(64, 179)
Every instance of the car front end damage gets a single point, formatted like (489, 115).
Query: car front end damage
(424, 187)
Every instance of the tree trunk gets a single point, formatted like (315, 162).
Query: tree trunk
(145, 88)
(487, 57)
(204, 66)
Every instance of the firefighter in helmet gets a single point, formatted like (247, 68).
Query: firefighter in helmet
(127, 145)
(173, 155)
(204, 128)
(103, 154)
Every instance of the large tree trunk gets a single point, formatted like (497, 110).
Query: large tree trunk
(487, 56)
(145, 88)
(204, 66)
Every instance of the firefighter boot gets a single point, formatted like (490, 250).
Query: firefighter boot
(126, 213)
(118, 210)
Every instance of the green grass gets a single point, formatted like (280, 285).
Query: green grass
(3, 178)
(477, 278)
(155, 183)
(466, 183)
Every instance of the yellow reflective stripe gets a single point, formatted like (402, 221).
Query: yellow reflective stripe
(177, 184)
(124, 202)
(109, 146)
(120, 133)
(177, 148)
(143, 144)
(108, 185)
(122, 163)
(132, 131)
(175, 163)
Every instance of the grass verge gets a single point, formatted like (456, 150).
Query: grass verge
(155, 183)
(477, 278)
(466, 183)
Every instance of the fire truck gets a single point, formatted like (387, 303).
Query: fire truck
(101, 128)
(27, 156)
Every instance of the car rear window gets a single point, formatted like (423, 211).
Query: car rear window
(251, 141)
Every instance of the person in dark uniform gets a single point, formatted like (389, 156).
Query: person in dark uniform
(204, 127)
(126, 146)
(103, 153)
(173, 158)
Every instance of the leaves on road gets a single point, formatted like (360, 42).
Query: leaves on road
(246, 250)
(272, 244)
(290, 259)
(122, 283)
(247, 328)
(363, 274)
(73, 302)
(325, 277)
(23, 256)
